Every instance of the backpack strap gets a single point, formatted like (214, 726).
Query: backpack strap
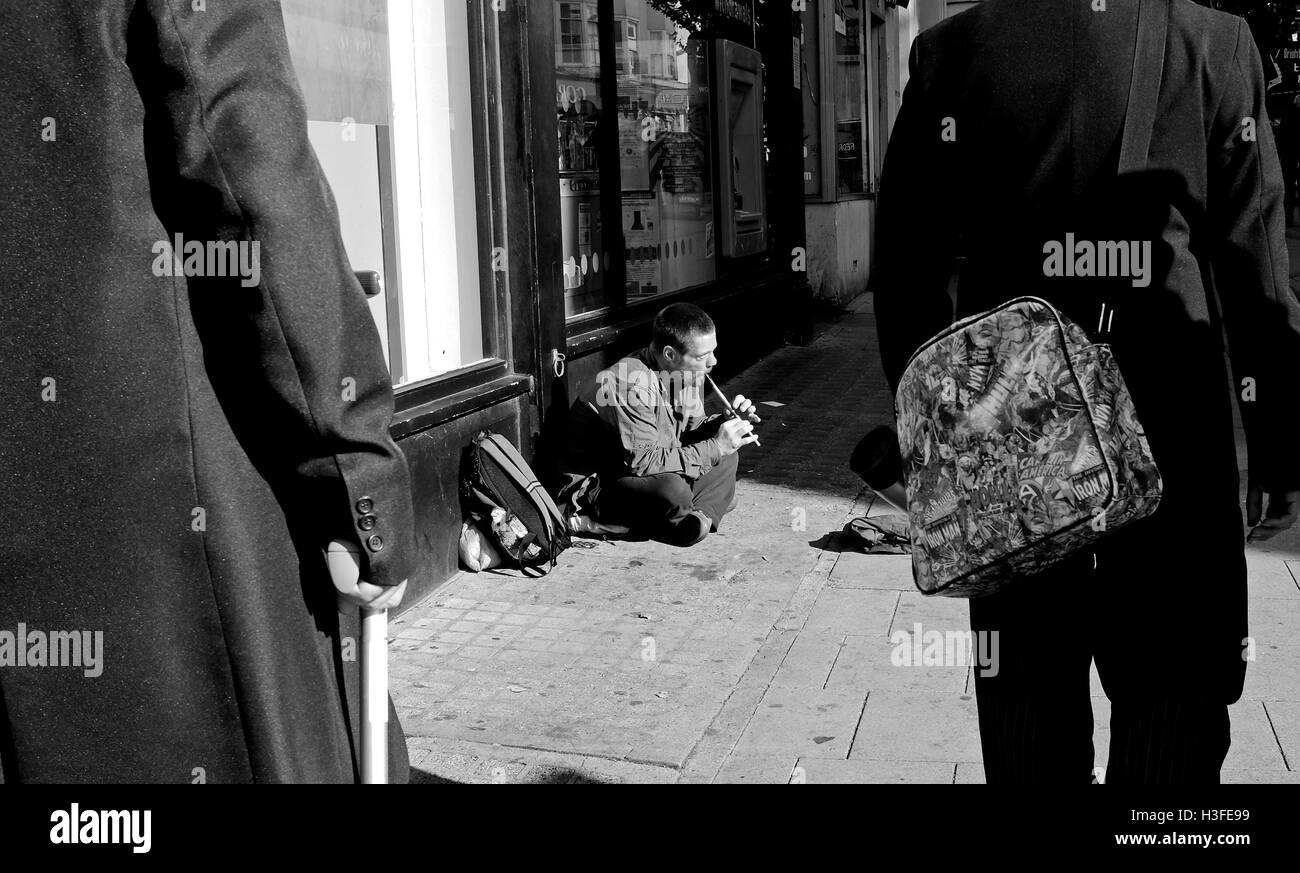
(1144, 88)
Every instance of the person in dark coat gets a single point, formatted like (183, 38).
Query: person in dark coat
(183, 432)
(1008, 139)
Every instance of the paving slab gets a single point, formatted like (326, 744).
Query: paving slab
(943, 614)
(1284, 717)
(918, 726)
(868, 664)
(1254, 745)
(467, 762)
(1274, 674)
(825, 771)
(711, 753)
(852, 611)
(808, 664)
(1274, 620)
(1259, 777)
(757, 770)
(860, 570)
(817, 723)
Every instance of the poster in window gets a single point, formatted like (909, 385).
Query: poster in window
(641, 236)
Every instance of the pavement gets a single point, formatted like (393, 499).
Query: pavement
(762, 654)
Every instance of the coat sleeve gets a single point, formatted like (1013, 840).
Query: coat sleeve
(915, 243)
(228, 127)
(1250, 267)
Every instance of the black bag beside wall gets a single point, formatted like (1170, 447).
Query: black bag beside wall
(502, 497)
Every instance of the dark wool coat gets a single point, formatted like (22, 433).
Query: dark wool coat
(177, 451)
(1033, 94)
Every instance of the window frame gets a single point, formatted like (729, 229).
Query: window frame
(616, 308)
(829, 192)
(497, 41)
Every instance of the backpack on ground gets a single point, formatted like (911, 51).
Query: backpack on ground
(502, 498)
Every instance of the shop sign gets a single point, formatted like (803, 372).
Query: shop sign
(735, 9)
(673, 101)
(569, 96)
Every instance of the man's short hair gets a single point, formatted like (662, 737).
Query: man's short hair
(676, 324)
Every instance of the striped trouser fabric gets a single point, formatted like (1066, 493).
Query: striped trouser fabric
(1164, 662)
(1029, 738)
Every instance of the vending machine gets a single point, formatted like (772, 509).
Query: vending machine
(739, 122)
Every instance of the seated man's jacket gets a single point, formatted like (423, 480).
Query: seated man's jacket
(634, 420)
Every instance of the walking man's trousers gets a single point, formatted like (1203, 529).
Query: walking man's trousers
(1163, 613)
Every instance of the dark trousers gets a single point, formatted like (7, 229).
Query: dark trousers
(1164, 618)
(649, 502)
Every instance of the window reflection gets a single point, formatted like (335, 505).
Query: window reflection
(664, 154)
(662, 124)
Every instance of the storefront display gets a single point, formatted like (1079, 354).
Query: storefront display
(664, 138)
(579, 125)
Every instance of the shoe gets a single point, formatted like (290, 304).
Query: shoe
(588, 526)
(690, 530)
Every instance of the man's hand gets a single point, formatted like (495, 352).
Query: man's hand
(343, 559)
(733, 434)
(745, 408)
(370, 596)
(1281, 515)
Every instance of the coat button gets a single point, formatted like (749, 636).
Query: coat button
(375, 543)
(364, 505)
(366, 522)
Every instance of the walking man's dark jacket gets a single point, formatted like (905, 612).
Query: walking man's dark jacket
(1008, 139)
(175, 452)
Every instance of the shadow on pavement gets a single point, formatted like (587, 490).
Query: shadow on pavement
(424, 777)
(557, 776)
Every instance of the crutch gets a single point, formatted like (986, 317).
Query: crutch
(344, 561)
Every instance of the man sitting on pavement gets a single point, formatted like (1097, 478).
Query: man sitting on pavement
(641, 455)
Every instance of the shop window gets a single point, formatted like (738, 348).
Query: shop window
(850, 87)
(878, 96)
(387, 85)
(838, 114)
(577, 33)
(626, 52)
(660, 186)
(810, 88)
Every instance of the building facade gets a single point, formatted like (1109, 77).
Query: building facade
(533, 181)
(855, 55)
